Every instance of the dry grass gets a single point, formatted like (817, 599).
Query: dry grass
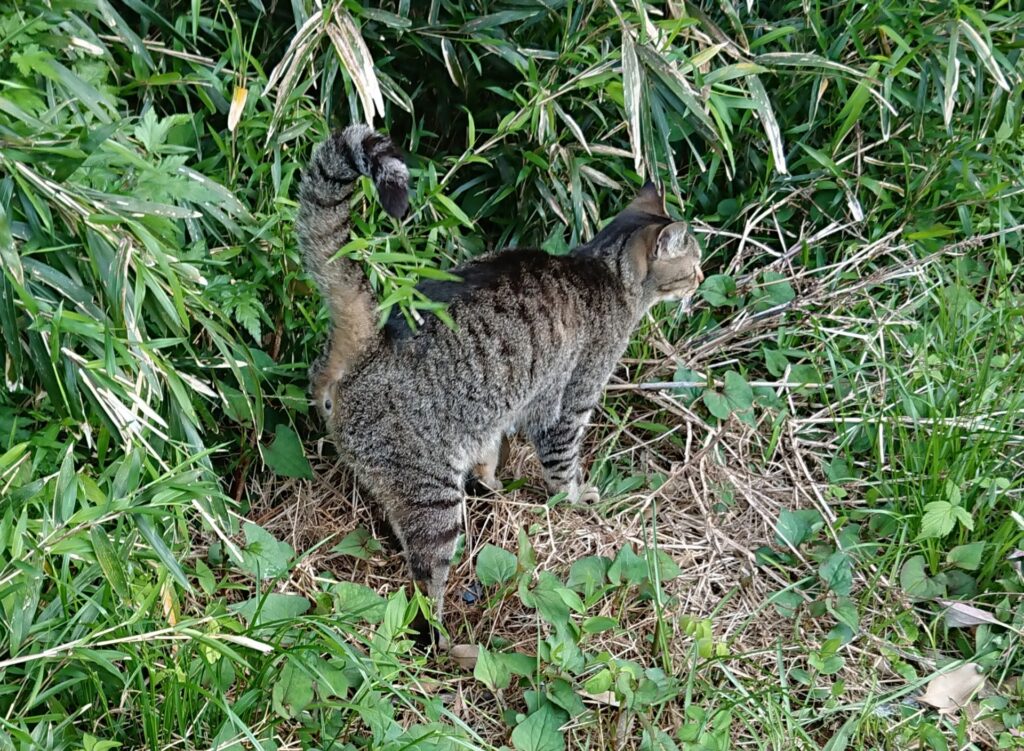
(712, 539)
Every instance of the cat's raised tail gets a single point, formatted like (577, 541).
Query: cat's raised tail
(323, 228)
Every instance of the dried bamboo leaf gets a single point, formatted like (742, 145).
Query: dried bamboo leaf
(355, 57)
(237, 107)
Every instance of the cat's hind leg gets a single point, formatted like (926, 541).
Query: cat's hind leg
(485, 470)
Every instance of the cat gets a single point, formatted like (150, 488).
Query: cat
(535, 339)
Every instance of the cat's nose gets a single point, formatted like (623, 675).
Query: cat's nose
(698, 274)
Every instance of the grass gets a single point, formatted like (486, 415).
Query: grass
(812, 504)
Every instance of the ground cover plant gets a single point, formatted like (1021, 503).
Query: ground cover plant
(810, 533)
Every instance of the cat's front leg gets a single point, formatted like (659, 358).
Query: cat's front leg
(558, 448)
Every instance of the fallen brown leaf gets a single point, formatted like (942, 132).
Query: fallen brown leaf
(465, 655)
(951, 691)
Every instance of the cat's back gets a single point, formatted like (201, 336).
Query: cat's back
(521, 319)
(508, 290)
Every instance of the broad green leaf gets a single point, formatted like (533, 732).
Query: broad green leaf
(285, 455)
(491, 670)
(839, 471)
(541, 731)
(915, 581)
(837, 573)
(668, 569)
(598, 683)
(357, 601)
(826, 664)
(589, 575)
(293, 690)
(938, 520)
(737, 398)
(953, 492)
(628, 567)
(773, 290)
(684, 376)
(964, 517)
(787, 602)
(547, 598)
(598, 623)
(845, 611)
(263, 555)
(271, 608)
(358, 543)
(803, 374)
(494, 565)
(207, 580)
(776, 362)
(738, 392)
(331, 679)
(796, 527)
(526, 556)
(967, 557)
(719, 290)
(717, 404)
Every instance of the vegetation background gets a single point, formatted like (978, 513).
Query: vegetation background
(812, 521)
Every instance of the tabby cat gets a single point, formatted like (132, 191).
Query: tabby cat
(535, 340)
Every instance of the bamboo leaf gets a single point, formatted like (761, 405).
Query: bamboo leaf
(985, 53)
(952, 80)
(768, 122)
(632, 85)
(854, 106)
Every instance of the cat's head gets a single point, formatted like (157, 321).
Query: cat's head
(666, 250)
(665, 255)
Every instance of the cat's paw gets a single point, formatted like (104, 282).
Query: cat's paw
(478, 487)
(583, 493)
(482, 478)
(492, 483)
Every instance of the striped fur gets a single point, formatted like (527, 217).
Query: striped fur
(323, 227)
(535, 339)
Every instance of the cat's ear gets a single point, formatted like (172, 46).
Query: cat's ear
(649, 200)
(674, 240)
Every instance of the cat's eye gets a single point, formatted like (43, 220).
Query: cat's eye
(327, 405)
